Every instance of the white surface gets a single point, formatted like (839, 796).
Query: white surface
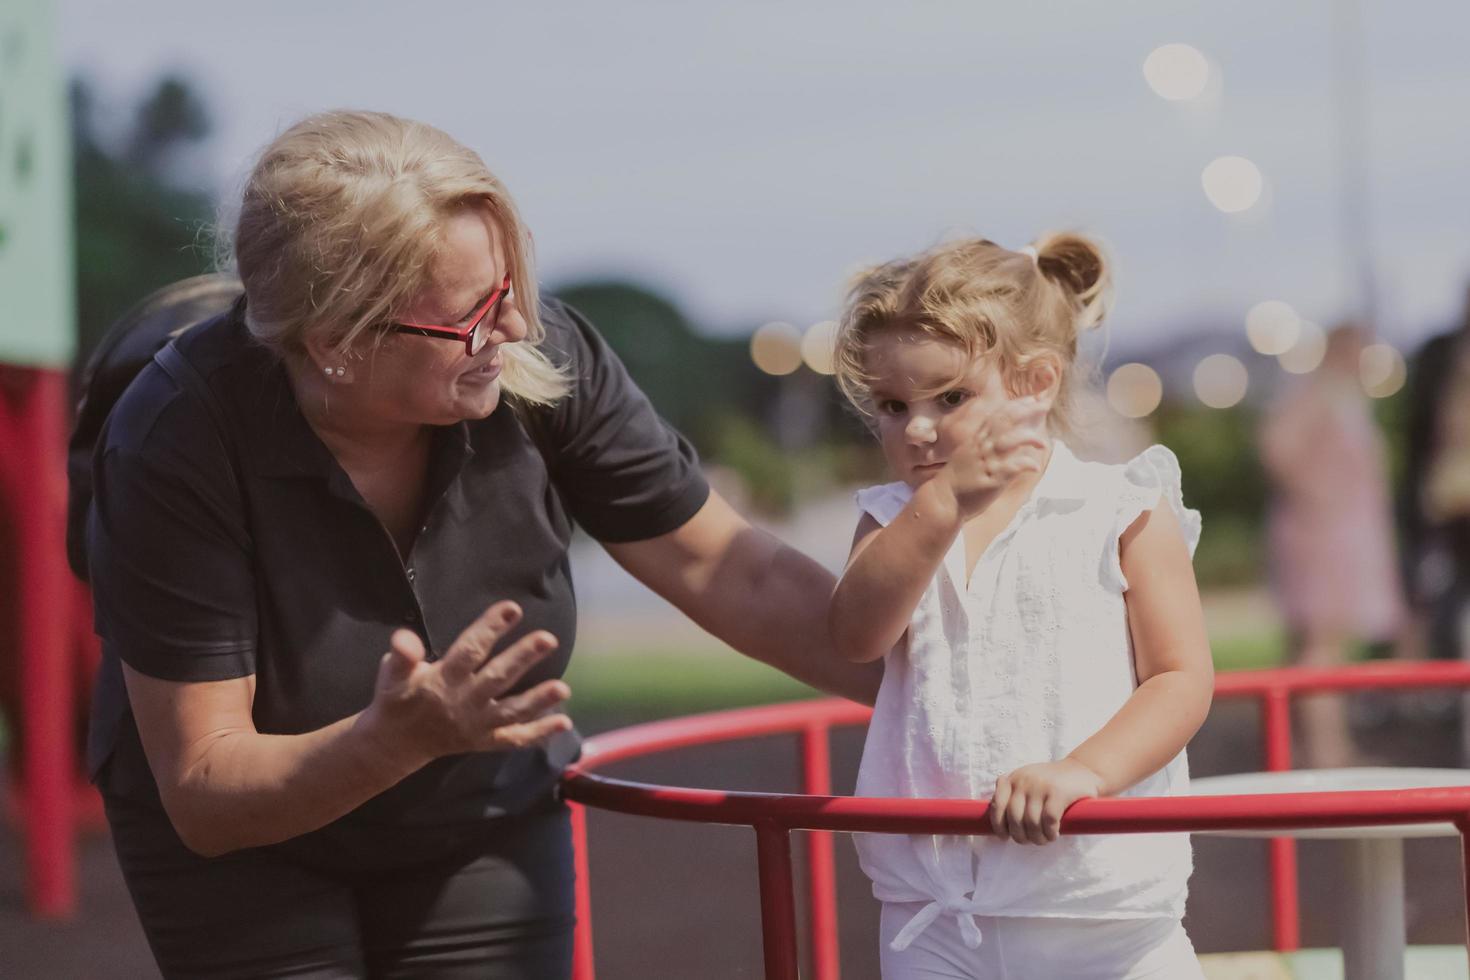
(1334, 780)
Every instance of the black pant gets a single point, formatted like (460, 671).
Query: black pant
(500, 910)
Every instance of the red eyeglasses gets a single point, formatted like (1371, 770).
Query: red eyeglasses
(476, 334)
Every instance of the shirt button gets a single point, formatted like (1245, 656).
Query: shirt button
(410, 573)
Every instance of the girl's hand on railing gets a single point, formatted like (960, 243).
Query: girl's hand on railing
(1028, 803)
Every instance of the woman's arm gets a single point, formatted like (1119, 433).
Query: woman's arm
(762, 597)
(1176, 679)
(888, 571)
(226, 786)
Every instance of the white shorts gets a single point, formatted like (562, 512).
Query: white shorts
(1016, 948)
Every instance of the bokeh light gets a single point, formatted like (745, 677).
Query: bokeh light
(1382, 370)
(1306, 354)
(776, 348)
(1221, 380)
(1135, 390)
(1177, 72)
(1232, 183)
(816, 346)
(1272, 327)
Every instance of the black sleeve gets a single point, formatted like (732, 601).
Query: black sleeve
(623, 472)
(167, 544)
(1426, 381)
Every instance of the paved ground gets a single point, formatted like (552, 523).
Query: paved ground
(672, 900)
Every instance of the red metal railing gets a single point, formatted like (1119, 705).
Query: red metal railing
(775, 815)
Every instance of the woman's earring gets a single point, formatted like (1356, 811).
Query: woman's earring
(336, 374)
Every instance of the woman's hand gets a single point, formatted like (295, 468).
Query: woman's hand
(424, 710)
(994, 448)
(1028, 803)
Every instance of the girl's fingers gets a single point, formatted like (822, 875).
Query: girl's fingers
(473, 646)
(1020, 438)
(998, 801)
(1016, 817)
(1051, 819)
(1034, 808)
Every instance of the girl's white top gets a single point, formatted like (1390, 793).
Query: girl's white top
(1022, 665)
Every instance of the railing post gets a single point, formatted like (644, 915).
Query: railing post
(821, 869)
(49, 757)
(1285, 903)
(1463, 826)
(778, 904)
(582, 968)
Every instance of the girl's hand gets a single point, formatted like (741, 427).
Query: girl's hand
(424, 710)
(1028, 804)
(992, 450)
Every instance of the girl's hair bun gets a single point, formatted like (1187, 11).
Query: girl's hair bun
(1079, 267)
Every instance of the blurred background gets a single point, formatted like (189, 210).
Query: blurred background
(703, 179)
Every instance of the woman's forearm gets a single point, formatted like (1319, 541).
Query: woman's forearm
(760, 596)
(791, 633)
(884, 582)
(245, 789)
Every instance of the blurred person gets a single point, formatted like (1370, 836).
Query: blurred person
(1329, 530)
(1037, 618)
(389, 440)
(1436, 494)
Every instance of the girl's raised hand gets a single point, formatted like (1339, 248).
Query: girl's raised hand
(1028, 803)
(992, 449)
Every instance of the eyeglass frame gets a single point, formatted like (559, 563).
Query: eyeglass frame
(465, 334)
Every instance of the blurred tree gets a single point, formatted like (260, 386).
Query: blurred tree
(1223, 480)
(136, 227)
(693, 380)
(169, 118)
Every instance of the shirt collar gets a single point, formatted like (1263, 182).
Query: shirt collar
(1065, 478)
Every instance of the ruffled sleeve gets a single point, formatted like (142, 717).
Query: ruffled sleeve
(1151, 476)
(884, 502)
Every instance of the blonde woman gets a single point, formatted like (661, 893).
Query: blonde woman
(1036, 617)
(393, 441)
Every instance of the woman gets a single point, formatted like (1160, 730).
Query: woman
(391, 446)
(1330, 531)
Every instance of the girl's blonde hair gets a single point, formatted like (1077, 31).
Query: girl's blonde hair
(1020, 306)
(341, 222)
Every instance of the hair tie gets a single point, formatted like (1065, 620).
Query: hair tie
(1029, 250)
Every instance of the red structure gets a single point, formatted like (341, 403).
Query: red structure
(774, 815)
(34, 416)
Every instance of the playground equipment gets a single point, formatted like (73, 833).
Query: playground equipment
(774, 816)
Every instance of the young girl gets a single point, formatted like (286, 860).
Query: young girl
(1038, 620)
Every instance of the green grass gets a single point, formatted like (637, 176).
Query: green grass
(665, 683)
(661, 683)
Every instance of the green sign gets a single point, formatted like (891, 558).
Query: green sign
(37, 305)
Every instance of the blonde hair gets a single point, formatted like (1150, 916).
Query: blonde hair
(342, 220)
(1021, 306)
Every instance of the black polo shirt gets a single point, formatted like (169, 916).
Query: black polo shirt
(219, 554)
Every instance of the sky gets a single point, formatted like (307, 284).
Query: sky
(745, 159)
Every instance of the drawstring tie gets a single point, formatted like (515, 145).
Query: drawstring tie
(964, 911)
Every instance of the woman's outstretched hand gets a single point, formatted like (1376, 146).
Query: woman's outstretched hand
(423, 709)
(1028, 803)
